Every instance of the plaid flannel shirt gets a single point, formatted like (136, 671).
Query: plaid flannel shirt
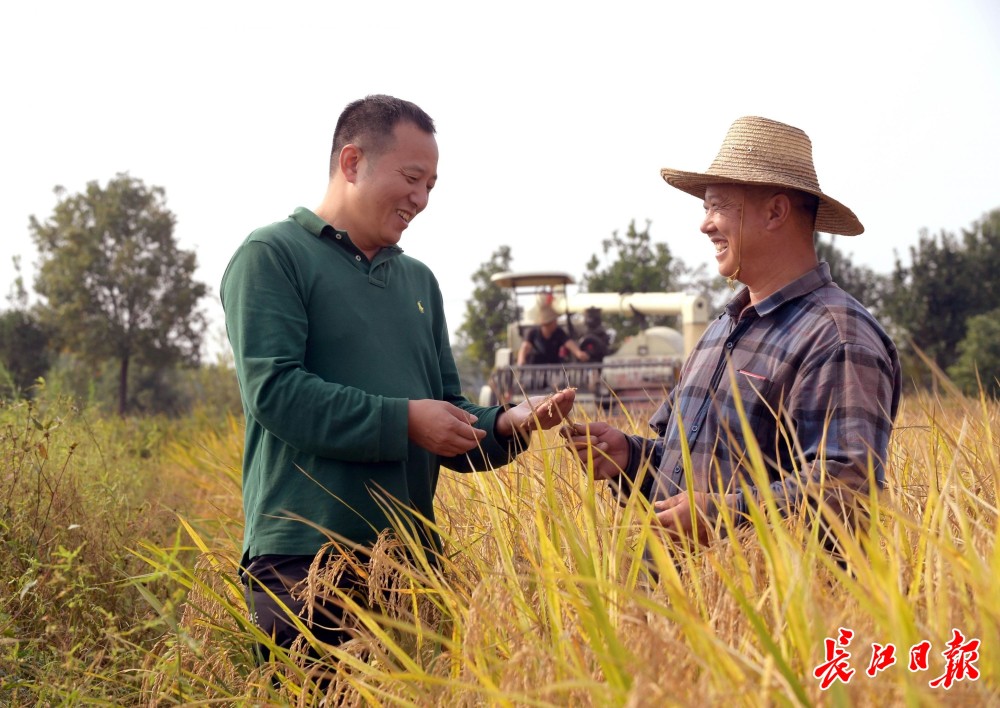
(819, 384)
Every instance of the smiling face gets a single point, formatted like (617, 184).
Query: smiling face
(725, 225)
(391, 188)
(762, 235)
(733, 222)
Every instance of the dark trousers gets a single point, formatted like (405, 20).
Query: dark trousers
(280, 574)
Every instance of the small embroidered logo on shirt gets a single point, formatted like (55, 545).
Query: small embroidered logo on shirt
(420, 307)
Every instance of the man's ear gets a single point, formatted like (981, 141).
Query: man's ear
(350, 161)
(778, 210)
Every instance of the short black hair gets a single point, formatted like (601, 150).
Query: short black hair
(370, 121)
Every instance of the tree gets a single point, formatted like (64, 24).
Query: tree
(979, 349)
(116, 284)
(979, 355)
(24, 351)
(638, 265)
(24, 342)
(862, 282)
(949, 280)
(487, 313)
(929, 298)
(981, 243)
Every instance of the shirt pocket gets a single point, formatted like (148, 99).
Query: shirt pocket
(752, 394)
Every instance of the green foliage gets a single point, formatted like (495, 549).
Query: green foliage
(634, 263)
(982, 244)
(75, 496)
(979, 355)
(152, 390)
(24, 352)
(487, 313)
(117, 286)
(949, 281)
(932, 298)
(638, 265)
(24, 342)
(212, 389)
(862, 282)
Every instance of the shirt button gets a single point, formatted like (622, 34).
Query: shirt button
(694, 428)
(357, 258)
(729, 345)
(677, 468)
(339, 237)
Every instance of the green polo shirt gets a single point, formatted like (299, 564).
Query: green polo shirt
(329, 348)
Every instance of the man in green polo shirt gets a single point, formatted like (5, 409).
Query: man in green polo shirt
(349, 386)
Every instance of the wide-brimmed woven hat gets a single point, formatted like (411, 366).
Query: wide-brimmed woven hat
(763, 151)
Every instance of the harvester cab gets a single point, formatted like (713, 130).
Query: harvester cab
(639, 370)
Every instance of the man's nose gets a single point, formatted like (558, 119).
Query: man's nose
(420, 197)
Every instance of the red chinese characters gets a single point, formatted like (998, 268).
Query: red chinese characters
(919, 654)
(960, 656)
(882, 658)
(837, 666)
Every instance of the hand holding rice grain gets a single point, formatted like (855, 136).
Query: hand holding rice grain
(537, 412)
(548, 409)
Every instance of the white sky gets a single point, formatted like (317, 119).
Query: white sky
(553, 118)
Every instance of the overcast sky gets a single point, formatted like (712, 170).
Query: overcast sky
(553, 118)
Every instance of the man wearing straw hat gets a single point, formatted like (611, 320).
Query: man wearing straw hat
(793, 360)
(543, 343)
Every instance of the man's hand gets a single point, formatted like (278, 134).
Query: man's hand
(536, 412)
(674, 514)
(610, 447)
(441, 428)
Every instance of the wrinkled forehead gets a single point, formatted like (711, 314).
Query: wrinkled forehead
(724, 190)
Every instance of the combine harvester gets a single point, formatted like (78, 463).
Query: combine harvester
(640, 370)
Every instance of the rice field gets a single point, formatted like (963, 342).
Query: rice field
(121, 541)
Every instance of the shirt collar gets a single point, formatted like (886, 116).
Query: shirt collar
(803, 285)
(321, 229)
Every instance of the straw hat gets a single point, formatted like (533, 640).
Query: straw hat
(762, 151)
(545, 315)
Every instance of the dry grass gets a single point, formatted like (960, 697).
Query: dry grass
(543, 596)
